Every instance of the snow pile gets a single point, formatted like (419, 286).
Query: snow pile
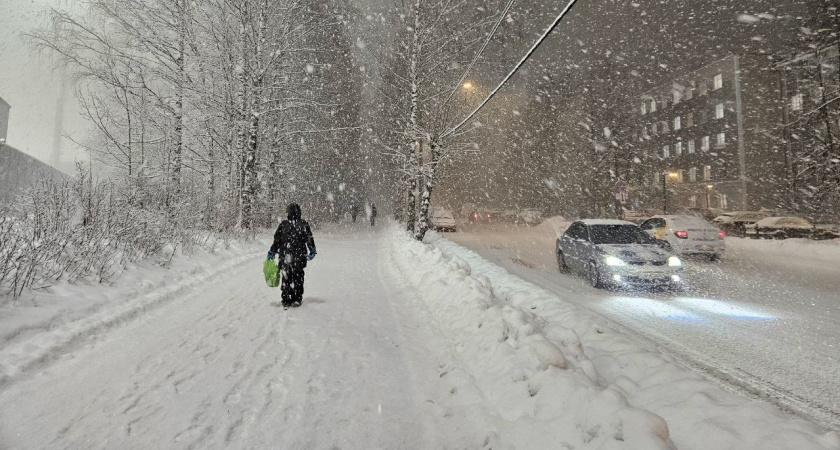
(699, 413)
(556, 225)
(539, 386)
(41, 328)
(802, 252)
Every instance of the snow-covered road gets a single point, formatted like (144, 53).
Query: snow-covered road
(766, 320)
(225, 367)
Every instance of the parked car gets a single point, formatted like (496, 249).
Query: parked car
(724, 218)
(737, 225)
(617, 253)
(827, 231)
(687, 235)
(787, 227)
(529, 217)
(442, 219)
(482, 216)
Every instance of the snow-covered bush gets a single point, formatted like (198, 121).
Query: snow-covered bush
(89, 230)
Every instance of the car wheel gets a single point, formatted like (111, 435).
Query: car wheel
(714, 257)
(781, 235)
(594, 276)
(561, 262)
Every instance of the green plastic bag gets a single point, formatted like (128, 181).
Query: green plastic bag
(272, 273)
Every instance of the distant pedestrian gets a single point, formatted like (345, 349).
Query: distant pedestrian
(294, 245)
(372, 214)
(354, 212)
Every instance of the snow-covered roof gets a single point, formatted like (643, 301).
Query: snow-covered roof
(605, 222)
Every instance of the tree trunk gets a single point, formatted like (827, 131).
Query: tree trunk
(425, 201)
(415, 147)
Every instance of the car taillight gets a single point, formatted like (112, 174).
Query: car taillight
(488, 216)
(681, 234)
(721, 234)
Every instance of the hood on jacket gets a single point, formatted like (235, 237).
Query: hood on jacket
(293, 211)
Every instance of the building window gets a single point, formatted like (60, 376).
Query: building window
(677, 95)
(720, 140)
(680, 176)
(689, 91)
(691, 146)
(677, 123)
(645, 133)
(644, 108)
(724, 202)
(701, 117)
(717, 82)
(692, 174)
(689, 120)
(678, 148)
(663, 126)
(653, 106)
(656, 178)
(719, 111)
(654, 129)
(796, 102)
(666, 151)
(702, 88)
(704, 144)
(707, 173)
(692, 201)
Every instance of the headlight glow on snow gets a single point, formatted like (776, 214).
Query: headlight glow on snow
(613, 261)
(673, 261)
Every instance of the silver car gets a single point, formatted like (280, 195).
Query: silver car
(617, 253)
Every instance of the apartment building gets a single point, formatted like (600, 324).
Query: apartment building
(703, 138)
(691, 139)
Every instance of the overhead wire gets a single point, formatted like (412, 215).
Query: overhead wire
(515, 69)
(481, 50)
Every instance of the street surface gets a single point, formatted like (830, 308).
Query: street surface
(764, 321)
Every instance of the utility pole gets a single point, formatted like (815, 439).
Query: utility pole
(742, 157)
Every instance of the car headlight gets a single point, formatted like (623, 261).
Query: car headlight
(673, 261)
(613, 261)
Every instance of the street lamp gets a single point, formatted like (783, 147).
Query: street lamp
(468, 86)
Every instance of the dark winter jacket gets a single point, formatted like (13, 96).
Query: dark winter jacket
(293, 239)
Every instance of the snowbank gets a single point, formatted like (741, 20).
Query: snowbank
(45, 325)
(803, 252)
(539, 386)
(699, 413)
(555, 225)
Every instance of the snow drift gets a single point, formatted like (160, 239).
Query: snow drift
(541, 388)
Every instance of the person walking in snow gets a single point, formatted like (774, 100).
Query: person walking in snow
(294, 245)
(354, 212)
(372, 214)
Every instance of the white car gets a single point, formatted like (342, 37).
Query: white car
(687, 235)
(617, 253)
(442, 219)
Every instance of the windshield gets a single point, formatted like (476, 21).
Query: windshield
(618, 234)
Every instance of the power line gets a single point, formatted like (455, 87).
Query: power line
(481, 50)
(515, 69)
